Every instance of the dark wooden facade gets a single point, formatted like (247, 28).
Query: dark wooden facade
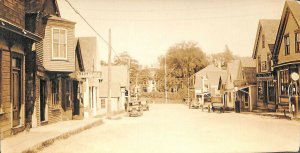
(15, 44)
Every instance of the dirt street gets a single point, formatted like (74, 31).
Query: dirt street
(173, 128)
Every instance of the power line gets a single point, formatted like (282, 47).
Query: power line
(74, 9)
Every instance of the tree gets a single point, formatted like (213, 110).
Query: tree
(223, 58)
(182, 60)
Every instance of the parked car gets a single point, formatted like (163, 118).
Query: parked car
(217, 104)
(144, 105)
(205, 101)
(135, 109)
(195, 104)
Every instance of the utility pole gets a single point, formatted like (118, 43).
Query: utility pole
(166, 92)
(136, 86)
(128, 84)
(109, 77)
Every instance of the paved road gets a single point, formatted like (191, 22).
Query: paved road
(173, 128)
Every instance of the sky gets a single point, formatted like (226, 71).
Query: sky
(147, 28)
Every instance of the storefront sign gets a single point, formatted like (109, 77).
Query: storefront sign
(96, 74)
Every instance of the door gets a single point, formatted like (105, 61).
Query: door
(16, 91)
(76, 105)
(42, 100)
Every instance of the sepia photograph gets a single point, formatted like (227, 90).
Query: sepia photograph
(149, 76)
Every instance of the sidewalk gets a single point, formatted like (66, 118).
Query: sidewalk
(43, 136)
(277, 115)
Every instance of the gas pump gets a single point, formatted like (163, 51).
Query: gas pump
(293, 95)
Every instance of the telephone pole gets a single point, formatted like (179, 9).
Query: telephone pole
(109, 77)
(166, 92)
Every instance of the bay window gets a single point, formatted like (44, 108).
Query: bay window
(59, 44)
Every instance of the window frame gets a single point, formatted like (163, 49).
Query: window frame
(284, 81)
(66, 43)
(297, 42)
(287, 47)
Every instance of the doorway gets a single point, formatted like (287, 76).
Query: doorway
(42, 100)
(76, 100)
(16, 91)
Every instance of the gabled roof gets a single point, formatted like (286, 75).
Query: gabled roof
(79, 55)
(247, 61)
(270, 27)
(211, 69)
(88, 46)
(249, 75)
(292, 7)
(233, 68)
(37, 6)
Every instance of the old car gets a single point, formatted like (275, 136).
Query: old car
(205, 101)
(195, 104)
(135, 109)
(144, 105)
(217, 104)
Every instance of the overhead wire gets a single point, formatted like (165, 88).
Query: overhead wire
(98, 34)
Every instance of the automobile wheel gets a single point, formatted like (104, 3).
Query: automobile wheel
(221, 110)
(213, 109)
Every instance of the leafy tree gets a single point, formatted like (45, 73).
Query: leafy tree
(182, 60)
(223, 58)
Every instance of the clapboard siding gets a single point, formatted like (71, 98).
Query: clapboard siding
(59, 65)
(37, 101)
(13, 11)
(5, 93)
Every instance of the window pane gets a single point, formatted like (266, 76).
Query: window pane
(55, 50)
(298, 37)
(62, 36)
(55, 35)
(63, 50)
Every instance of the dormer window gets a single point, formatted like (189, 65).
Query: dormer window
(287, 45)
(59, 44)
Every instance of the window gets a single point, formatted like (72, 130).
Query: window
(269, 65)
(59, 44)
(263, 41)
(55, 89)
(287, 45)
(260, 91)
(284, 82)
(258, 64)
(297, 41)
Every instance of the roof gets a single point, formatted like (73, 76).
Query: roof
(203, 72)
(88, 47)
(247, 61)
(78, 54)
(294, 8)
(119, 78)
(56, 18)
(269, 28)
(249, 75)
(214, 76)
(233, 68)
(36, 6)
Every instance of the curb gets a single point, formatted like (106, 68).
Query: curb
(43, 144)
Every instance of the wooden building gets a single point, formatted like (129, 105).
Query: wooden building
(262, 53)
(51, 90)
(15, 43)
(286, 55)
